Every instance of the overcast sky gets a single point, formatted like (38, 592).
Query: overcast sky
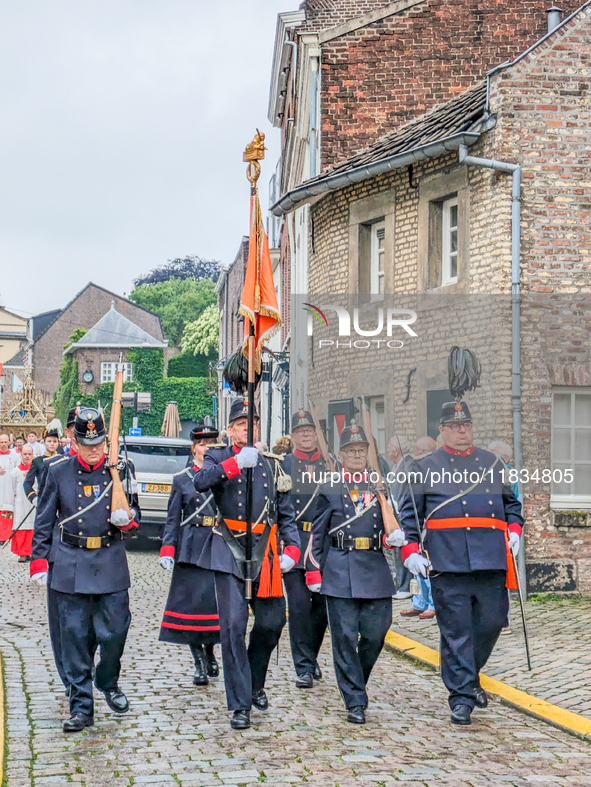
(123, 126)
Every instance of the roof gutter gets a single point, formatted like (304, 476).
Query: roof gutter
(306, 192)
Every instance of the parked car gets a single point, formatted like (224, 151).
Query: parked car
(156, 460)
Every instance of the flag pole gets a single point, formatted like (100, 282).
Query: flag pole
(253, 171)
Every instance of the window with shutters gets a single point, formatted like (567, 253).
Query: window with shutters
(571, 448)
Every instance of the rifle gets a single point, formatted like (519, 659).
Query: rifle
(322, 444)
(118, 496)
(390, 522)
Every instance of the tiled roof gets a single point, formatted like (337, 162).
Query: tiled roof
(114, 330)
(452, 118)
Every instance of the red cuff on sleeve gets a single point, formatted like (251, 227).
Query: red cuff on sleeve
(38, 567)
(386, 546)
(313, 578)
(167, 552)
(231, 468)
(293, 552)
(130, 526)
(408, 550)
(514, 527)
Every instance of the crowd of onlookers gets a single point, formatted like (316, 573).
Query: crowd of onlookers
(16, 509)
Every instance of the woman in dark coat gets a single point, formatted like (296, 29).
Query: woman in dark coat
(191, 615)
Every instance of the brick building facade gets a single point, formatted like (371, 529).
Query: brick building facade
(441, 233)
(83, 311)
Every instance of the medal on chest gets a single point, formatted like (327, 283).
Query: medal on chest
(360, 499)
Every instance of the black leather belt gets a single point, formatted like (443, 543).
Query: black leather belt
(361, 543)
(90, 542)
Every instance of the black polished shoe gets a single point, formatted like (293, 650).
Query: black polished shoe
(317, 673)
(461, 715)
(305, 681)
(77, 722)
(356, 715)
(116, 700)
(240, 720)
(480, 697)
(200, 678)
(213, 669)
(259, 699)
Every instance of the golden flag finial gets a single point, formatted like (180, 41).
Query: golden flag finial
(255, 151)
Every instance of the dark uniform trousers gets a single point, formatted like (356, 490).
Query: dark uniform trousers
(358, 627)
(85, 622)
(245, 669)
(307, 621)
(471, 610)
(55, 635)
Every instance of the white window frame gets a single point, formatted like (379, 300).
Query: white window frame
(108, 369)
(377, 413)
(377, 276)
(446, 252)
(572, 501)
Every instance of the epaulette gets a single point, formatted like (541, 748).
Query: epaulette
(279, 457)
(57, 461)
(217, 445)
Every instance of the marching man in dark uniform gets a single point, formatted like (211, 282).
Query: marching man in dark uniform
(471, 521)
(76, 532)
(307, 611)
(272, 519)
(191, 614)
(40, 465)
(353, 572)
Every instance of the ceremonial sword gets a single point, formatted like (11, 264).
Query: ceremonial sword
(14, 532)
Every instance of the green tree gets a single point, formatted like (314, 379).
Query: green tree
(177, 301)
(202, 335)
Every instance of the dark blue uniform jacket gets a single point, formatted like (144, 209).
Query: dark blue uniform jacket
(37, 472)
(70, 489)
(221, 474)
(347, 572)
(461, 549)
(185, 533)
(301, 466)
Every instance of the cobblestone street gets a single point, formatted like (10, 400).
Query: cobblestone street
(178, 734)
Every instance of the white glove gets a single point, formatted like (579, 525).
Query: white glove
(119, 518)
(396, 539)
(34, 501)
(417, 564)
(287, 563)
(40, 578)
(514, 543)
(314, 588)
(248, 457)
(166, 562)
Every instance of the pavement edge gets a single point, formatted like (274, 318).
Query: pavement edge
(565, 720)
(3, 738)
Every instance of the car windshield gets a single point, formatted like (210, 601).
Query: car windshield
(159, 458)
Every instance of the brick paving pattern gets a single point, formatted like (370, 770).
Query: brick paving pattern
(559, 646)
(177, 734)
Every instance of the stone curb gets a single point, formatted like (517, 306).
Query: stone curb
(565, 720)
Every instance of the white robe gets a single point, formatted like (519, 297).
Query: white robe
(21, 505)
(6, 487)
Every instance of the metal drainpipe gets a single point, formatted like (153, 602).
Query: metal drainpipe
(313, 115)
(515, 171)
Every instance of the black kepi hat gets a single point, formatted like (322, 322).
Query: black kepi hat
(89, 428)
(204, 430)
(71, 420)
(239, 409)
(301, 418)
(454, 411)
(352, 434)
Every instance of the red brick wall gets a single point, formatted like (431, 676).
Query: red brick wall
(376, 78)
(92, 303)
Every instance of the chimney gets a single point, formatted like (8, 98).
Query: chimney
(554, 17)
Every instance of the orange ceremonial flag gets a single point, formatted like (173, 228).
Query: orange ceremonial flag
(258, 303)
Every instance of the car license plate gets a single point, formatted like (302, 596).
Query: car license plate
(164, 488)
